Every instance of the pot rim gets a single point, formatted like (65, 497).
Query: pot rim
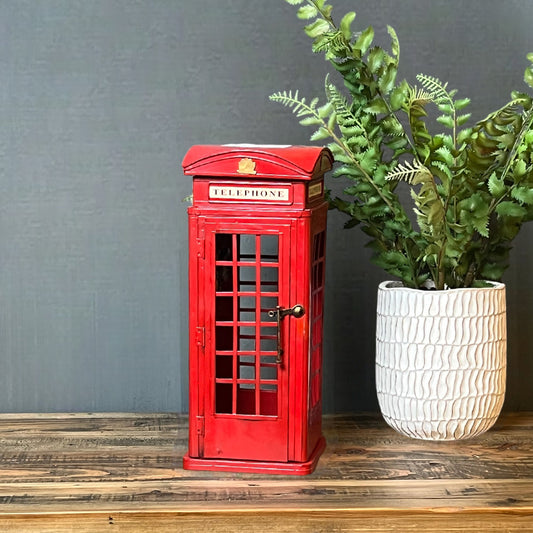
(391, 285)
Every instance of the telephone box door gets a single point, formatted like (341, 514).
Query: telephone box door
(246, 410)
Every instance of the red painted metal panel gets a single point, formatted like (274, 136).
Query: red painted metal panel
(257, 241)
(246, 414)
(259, 161)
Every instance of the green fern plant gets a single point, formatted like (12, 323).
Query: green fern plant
(472, 187)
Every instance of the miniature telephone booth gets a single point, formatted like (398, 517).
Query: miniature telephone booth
(257, 230)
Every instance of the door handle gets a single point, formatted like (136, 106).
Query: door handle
(297, 311)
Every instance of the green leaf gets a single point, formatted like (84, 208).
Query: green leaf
(369, 161)
(326, 10)
(507, 140)
(321, 133)
(310, 121)
(398, 97)
(524, 195)
(510, 209)
(520, 168)
(307, 12)
(339, 153)
(386, 82)
(332, 121)
(481, 224)
(375, 59)
(446, 121)
(357, 141)
(395, 42)
(435, 213)
(294, 2)
(443, 140)
(445, 108)
(392, 126)
(492, 271)
(325, 110)
(462, 103)
(528, 76)
(352, 131)
(463, 119)
(394, 257)
(347, 170)
(496, 186)
(397, 143)
(317, 28)
(379, 175)
(445, 155)
(464, 135)
(346, 23)
(377, 106)
(364, 40)
(322, 43)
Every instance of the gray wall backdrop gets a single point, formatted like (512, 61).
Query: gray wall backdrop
(100, 100)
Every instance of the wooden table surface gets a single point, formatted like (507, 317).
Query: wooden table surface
(122, 472)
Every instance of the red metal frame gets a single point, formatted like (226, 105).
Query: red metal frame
(257, 241)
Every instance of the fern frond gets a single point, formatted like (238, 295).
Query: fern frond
(420, 96)
(443, 168)
(308, 113)
(408, 172)
(444, 154)
(345, 116)
(512, 106)
(333, 43)
(436, 87)
(292, 100)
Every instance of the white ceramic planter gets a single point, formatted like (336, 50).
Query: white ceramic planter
(441, 360)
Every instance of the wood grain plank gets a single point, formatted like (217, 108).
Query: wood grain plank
(288, 494)
(89, 472)
(137, 448)
(307, 522)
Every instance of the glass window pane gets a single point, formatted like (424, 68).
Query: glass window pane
(223, 308)
(269, 248)
(247, 279)
(224, 398)
(224, 338)
(269, 339)
(247, 308)
(269, 279)
(247, 339)
(224, 367)
(223, 247)
(269, 372)
(246, 247)
(224, 278)
(246, 370)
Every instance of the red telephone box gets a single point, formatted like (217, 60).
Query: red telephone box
(257, 231)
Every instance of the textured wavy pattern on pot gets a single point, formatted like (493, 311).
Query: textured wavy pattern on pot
(441, 360)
